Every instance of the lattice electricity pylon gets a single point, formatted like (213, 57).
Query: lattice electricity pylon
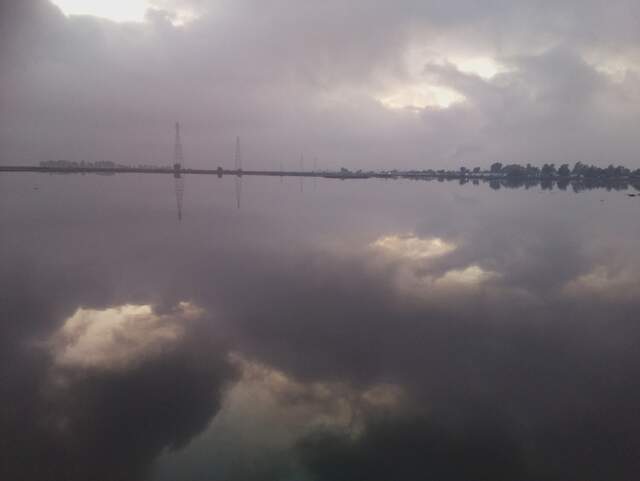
(178, 158)
(238, 156)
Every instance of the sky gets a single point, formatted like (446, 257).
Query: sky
(402, 84)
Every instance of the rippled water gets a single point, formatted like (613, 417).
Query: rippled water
(324, 330)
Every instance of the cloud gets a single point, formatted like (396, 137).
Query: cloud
(471, 275)
(412, 247)
(263, 417)
(117, 336)
(537, 86)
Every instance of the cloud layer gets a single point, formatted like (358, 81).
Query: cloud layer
(536, 82)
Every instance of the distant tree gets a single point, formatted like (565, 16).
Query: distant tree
(610, 171)
(564, 170)
(532, 170)
(622, 171)
(578, 168)
(592, 171)
(476, 170)
(548, 170)
(496, 167)
(514, 170)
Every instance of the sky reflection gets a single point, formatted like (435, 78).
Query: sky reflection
(118, 336)
(412, 247)
(299, 336)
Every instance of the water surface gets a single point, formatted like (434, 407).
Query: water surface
(323, 330)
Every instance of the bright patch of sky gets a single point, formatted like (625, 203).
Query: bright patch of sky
(484, 67)
(120, 10)
(417, 58)
(616, 67)
(119, 335)
(413, 247)
(419, 91)
(420, 96)
(471, 275)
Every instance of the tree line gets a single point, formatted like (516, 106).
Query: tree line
(549, 170)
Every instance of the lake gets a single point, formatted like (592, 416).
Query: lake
(316, 329)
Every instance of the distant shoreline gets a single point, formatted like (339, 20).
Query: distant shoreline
(494, 179)
(340, 174)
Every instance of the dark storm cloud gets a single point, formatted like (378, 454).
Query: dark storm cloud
(291, 77)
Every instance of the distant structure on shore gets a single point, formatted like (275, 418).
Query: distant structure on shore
(178, 157)
(70, 164)
(580, 176)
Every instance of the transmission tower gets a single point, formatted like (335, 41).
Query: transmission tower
(178, 158)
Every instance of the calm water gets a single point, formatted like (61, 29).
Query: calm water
(338, 330)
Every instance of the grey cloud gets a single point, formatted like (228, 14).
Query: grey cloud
(294, 77)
